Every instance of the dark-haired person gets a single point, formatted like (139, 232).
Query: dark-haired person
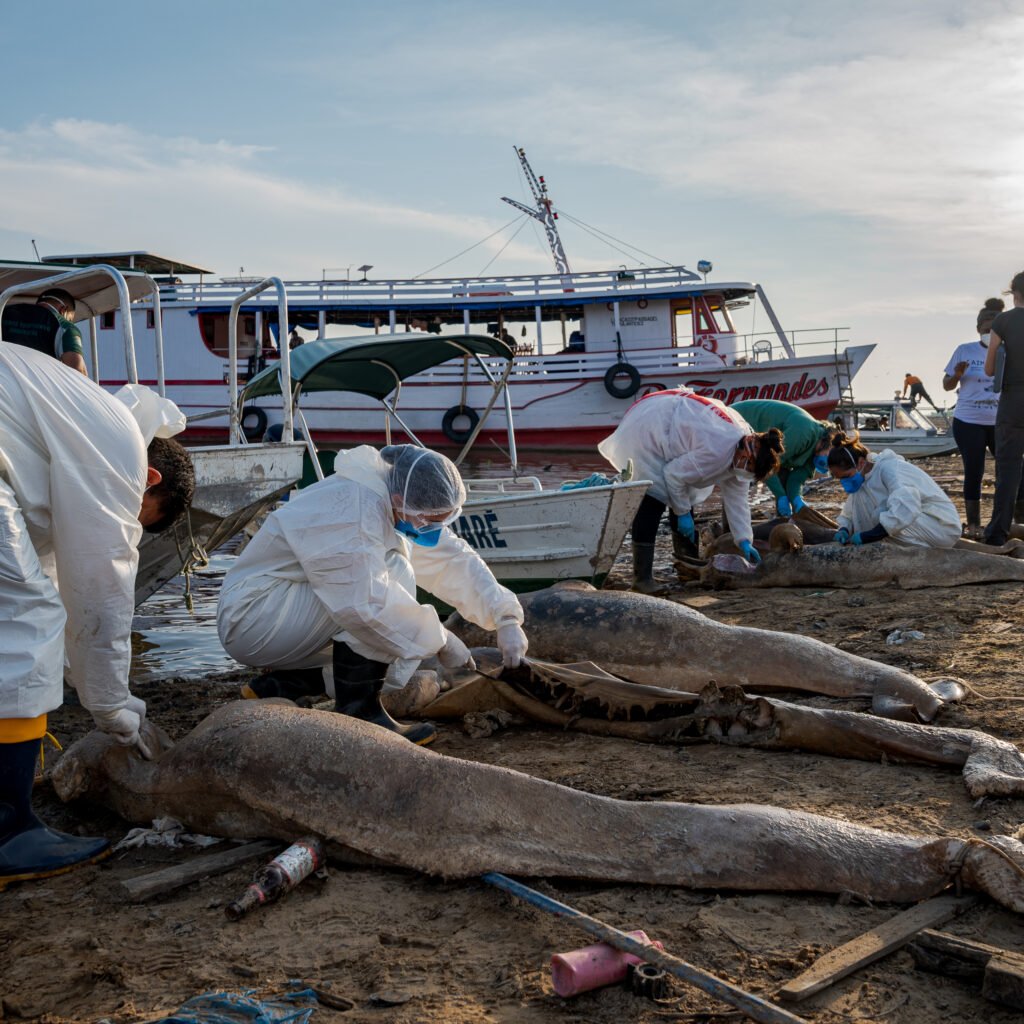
(687, 444)
(1007, 333)
(975, 417)
(807, 444)
(47, 327)
(888, 497)
(73, 505)
(917, 391)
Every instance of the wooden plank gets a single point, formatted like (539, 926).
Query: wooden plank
(964, 949)
(873, 945)
(1004, 982)
(157, 883)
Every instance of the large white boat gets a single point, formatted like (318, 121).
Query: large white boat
(586, 344)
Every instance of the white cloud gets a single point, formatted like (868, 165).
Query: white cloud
(108, 186)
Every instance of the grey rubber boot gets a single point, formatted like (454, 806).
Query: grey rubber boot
(643, 570)
(972, 528)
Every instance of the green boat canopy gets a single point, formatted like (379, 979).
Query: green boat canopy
(371, 365)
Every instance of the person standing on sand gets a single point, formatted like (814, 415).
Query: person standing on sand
(975, 417)
(1007, 335)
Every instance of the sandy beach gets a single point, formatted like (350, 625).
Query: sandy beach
(405, 948)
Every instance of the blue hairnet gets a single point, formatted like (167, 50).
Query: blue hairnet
(427, 482)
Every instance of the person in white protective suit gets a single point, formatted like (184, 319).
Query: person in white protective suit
(686, 444)
(77, 488)
(888, 497)
(330, 580)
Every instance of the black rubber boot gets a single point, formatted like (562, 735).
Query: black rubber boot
(28, 848)
(291, 683)
(683, 547)
(643, 570)
(357, 685)
(972, 528)
(1018, 511)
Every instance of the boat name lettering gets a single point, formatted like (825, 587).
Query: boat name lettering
(636, 321)
(802, 388)
(480, 531)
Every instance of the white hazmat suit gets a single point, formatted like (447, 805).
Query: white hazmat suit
(330, 565)
(72, 475)
(906, 501)
(685, 444)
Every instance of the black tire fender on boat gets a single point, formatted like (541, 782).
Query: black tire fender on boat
(448, 423)
(626, 390)
(258, 426)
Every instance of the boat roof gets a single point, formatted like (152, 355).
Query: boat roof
(139, 259)
(94, 292)
(373, 364)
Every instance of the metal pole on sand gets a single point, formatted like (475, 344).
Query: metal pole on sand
(753, 1006)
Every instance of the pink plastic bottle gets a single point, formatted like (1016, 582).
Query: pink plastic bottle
(593, 966)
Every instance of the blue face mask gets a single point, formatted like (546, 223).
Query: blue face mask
(852, 484)
(426, 538)
(821, 464)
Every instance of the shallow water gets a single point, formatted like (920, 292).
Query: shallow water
(170, 640)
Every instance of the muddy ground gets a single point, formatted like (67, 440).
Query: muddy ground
(71, 948)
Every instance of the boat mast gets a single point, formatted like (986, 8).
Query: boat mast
(543, 212)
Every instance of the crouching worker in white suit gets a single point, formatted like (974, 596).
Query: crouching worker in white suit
(888, 497)
(77, 488)
(331, 578)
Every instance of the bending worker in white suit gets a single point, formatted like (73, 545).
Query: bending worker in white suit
(331, 578)
(77, 488)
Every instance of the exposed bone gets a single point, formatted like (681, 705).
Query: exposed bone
(254, 769)
(586, 699)
(649, 640)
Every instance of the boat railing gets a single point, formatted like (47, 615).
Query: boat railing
(464, 291)
(502, 485)
(125, 304)
(235, 433)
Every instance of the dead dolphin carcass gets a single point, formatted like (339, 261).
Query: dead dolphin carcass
(871, 565)
(584, 698)
(256, 769)
(650, 640)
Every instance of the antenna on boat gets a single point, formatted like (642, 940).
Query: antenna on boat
(544, 213)
(39, 259)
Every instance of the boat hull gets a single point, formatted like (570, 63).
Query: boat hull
(233, 486)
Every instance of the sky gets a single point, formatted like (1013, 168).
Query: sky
(864, 163)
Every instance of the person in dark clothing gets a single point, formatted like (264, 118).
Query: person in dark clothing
(917, 391)
(1007, 335)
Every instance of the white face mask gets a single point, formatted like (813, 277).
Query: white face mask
(744, 475)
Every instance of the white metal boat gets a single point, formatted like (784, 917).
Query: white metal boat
(530, 537)
(585, 344)
(234, 482)
(896, 424)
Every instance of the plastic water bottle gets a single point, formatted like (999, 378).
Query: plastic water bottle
(281, 875)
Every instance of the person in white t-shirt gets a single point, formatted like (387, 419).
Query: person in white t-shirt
(975, 416)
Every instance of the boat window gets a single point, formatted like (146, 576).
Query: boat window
(213, 327)
(905, 421)
(107, 321)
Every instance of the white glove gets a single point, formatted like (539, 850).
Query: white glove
(124, 726)
(138, 705)
(512, 643)
(455, 654)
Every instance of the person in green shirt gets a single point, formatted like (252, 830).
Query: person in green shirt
(47, 327)
(807, 444)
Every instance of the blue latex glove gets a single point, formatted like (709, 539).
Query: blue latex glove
(798, 503)
(857, 539)
(783, 507)
(749, 552)
(842, 536)
(684, 524)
